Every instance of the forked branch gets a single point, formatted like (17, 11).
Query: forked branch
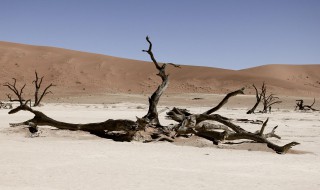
(258, 98)
(37, 83)
(152, 115)
(16, 91)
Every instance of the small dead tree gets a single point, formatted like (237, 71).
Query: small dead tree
(300, 105)
(17, 92)
(37, 83)
(267, 100)
(258, 97)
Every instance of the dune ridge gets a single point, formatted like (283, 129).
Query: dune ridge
(79, 73)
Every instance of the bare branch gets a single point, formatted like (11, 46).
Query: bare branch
(224, 101)
(37, 84)
(17, 92)
(149, 51)
(263, 126)
(258, 99)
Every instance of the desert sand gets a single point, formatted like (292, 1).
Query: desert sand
(94, 88)
(59, 159)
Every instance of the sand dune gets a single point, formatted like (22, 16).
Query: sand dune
(78, 73)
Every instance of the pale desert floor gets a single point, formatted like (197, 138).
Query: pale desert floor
(77, 160)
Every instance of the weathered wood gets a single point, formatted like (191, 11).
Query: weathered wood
(224, 101)
(100, 129)
(301, 106)
(267, 100)
(192, 124)
(17, 92)
(37, 83)
(152, 114)
(258, 99)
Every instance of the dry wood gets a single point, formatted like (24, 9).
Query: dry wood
(152, 115)
(300, 105)
(224, 101)
(192, 123)
(37, 83)
(267, 100)
(258, 97)
(100, 129)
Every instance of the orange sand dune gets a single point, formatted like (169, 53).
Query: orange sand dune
(78, 73)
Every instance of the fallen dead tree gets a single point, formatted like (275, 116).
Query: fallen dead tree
(301, 106)
(149, 129)
(4, 105)
(192, 124)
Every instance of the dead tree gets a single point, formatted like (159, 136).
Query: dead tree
(37, 83)
(300, 105)
(149, 129)
(258, 97)
(267, 100)
(107, 129)
(192, 124)
(5, 105)
(152, 115)
(17, 92)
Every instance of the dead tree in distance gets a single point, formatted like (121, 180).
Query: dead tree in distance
(37, 83)
(258, 98)
(17, 92)
(104, 129)
(300, 105)
(267, 100)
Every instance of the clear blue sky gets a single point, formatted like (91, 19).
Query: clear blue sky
(230, 34)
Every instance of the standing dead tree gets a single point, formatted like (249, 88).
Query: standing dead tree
(267, 100)
(300, 105)
(258, 97)
(152, 115)
(148, 128)
(17, 92)
(37, 83)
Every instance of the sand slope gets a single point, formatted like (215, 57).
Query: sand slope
(79, 73)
